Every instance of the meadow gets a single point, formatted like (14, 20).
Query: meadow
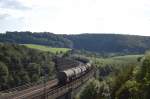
(117, 60)
(48, 49)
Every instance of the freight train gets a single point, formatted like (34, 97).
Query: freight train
(68, 75)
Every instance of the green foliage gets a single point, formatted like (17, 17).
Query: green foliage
(91, 90)
(145, 70)
(24, 77)
(95, 90)
(129, 90)
(138, 86)
(33, 68)
(3, 74)
(117, 79)
(20, 65)
(34, 78)
(110, 43)
(144, 78)
(104, 44)
(42, 38)
(117, 61)
(3, 70)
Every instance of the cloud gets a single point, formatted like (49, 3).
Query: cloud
(13, 4)
(4, 16)
(76, 16)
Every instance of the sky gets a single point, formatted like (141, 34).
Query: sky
(76, 16)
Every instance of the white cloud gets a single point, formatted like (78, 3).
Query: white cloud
(13, 4)
(82, 16)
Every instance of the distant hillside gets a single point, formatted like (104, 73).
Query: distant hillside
(42, 38)
(110, 43)
(101, 43)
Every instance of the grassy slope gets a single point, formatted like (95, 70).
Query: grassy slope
(46, 48)
(118, 59)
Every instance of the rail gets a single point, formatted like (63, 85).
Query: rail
(37, 92)
(60, 90)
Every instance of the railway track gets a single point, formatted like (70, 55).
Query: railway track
(58, 90)
(53, 88)
(30, 91)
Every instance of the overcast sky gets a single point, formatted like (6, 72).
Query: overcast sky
(76, 16)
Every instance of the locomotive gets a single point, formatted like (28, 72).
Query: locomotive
(68, 75)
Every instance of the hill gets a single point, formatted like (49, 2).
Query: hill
(99, 43)
(110, 43)
(42, 38)
(47, 49)
(20, 65)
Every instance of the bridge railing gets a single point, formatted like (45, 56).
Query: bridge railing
(59, 91)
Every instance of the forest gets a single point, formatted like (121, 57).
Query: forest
(103, 44)
(110, 43)
(120, 79)
(40, 38)
(20, 65)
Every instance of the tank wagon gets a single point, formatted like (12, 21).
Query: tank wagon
(68, 75)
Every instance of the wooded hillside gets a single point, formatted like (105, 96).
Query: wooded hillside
(110, 43)
(100, 43)
(20, 65)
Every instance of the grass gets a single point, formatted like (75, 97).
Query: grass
(127, 57)
(120, 60)
(48, 49)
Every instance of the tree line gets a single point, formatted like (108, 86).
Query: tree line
(41, 38)
(103, 44)
(109, 44)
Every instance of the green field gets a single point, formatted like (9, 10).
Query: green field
(118, 60)
(48, 49)
(127, 57)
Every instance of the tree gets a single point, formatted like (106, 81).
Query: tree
(129, 90)
(24, 77)
(33, 68)
(35, 78)
(95, 90)
(20, 65)
(3, 74)
(145, 77)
